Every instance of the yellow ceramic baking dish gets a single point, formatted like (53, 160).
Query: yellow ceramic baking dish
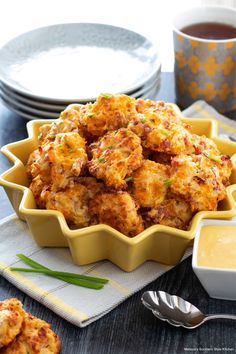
(90, 244)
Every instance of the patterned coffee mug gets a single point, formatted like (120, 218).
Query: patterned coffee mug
(205, 68)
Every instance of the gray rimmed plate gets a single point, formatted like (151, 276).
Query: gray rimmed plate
(55, 107)
(77, 61)
(29, 111)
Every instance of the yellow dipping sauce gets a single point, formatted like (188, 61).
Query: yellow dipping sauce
(217, 246)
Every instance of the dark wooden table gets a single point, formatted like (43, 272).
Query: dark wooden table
(129, 328)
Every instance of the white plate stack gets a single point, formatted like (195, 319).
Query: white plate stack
(43, 71)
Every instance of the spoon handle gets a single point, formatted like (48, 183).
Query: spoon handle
(220, 315)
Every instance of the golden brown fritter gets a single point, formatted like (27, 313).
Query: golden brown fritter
(165, 111)
(36, 337)
(72, 202)
(92, 185)
(160, 134)
(39, 164)
(198, 179)
(70, 120)
(59, 162)
(119, 211)
(173, 211)
(11, 319)
(201, 144)
(39, 190)
(48, 132)
(150, 184)
(68, 158)
(115, 156)
(109, 112)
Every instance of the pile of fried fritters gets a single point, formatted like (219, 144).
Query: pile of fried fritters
(22, 333)
(129, 163)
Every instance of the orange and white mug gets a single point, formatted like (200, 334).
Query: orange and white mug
(205, 69)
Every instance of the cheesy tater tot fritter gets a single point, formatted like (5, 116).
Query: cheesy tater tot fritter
(36, 337)
(48, 132)
(68, 158)
(119, 211)
(108, 113)
(173, 211)
(59, 162)
(11, 320)
(73, 201)
(150, 184)
(115, 156)
(198, 179)
(161, 135)
(165, 111)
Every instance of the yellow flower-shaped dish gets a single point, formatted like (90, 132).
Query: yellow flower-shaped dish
(90, 244)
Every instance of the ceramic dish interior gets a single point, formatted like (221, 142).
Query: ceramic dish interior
(90, 244)
(117, 59)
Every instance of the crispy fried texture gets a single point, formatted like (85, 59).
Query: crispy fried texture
(150, 184)
(39, 190)
(73, 201)
(164, 111)
(199, 180)
(48, 132)
(115, 156)
(39, 164)
(11, 319)
(36, 337)
(161, 133)
(59, 162)
(173, 211)
(108, 113)
(119, 211)
(68, 157)
(70, 121)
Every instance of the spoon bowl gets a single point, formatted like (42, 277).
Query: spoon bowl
(177, 311)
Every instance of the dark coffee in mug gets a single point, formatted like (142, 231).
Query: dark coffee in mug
(210, 30)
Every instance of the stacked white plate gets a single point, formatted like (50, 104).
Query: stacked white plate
(43, 71)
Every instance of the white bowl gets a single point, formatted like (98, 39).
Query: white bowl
(220, 283)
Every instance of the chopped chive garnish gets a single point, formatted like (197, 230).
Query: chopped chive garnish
(72, 278)
(106, 95)
(101, 159)
(165, 132)
(110, 147)
(128, 179)
(91, 115)
(143, 120)
(212, 157)
(167, 183)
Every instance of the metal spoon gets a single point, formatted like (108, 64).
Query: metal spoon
(177, 311)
